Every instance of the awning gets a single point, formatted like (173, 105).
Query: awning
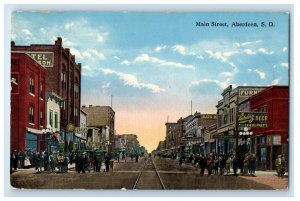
(35, 131)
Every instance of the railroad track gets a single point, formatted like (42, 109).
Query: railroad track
(148, 177)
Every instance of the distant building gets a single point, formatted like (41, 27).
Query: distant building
(81, 132)
(128, 143)
(102, 118)
(27, 104)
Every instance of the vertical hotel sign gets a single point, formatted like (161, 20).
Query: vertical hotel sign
(45, 59)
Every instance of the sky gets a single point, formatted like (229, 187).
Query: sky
(155, 63)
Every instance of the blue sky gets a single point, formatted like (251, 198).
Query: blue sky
(154, 64)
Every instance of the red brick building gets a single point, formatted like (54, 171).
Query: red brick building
(27, 103)
(273, 140)
(63, 77)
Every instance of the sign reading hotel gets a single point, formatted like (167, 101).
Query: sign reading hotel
(252, 119)
(45, 59)
(208, 116)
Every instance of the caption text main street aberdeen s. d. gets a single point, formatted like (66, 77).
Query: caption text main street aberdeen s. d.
(234, 24)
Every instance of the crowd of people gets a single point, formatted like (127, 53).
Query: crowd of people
(222, 164)
(59, 162)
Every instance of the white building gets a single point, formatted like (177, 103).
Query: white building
(53, 104)
(81, 132)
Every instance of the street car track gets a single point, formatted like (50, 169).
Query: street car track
(155, 178)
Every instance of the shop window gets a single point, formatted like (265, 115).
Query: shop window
(277, 140)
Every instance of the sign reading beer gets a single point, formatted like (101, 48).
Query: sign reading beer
(208, 116)
(253, 119)
(45, 59)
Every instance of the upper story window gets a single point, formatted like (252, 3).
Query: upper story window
(31, 85)
(51, 118)
(264, 108)
(56, 120)
(41, 90)
(63, 80)
(76, 91)
(31, 115)
(41, 118)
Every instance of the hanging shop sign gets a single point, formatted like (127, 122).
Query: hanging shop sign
(253, 119)
(70, 127)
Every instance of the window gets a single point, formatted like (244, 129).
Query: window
(31, 85)
(41, 90)
(264, 108)
(277, 140)
(56, 120)
(31, 115)
(51, 118)
(41, 118)
(63, 80)
(76, 91)
(75, 112)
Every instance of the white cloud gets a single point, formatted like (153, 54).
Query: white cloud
(160, 62)
(66, 42)
(264, 51)
(180, 49)
(69, 25)
(200, 57)
(275, 81)
(125, 62)
(131, 80)
(261, 74)
(106, 85)
(222, 85)
(100, 38)
(286, 65)
(87, 71)
(227, 74)
(248, 43)
(249, 69)
(284, 49)
(249, 51)
(222, 56)
(91, 53)
(43, 30)
(76, 53)
(13, 36)
(159, 48)
(116, 57)
(26, 32)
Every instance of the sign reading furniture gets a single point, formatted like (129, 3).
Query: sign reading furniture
(253, 119)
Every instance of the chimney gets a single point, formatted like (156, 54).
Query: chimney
(58, 42)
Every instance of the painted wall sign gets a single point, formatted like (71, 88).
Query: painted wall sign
(45, 59)
(208, 116)
(253, 119)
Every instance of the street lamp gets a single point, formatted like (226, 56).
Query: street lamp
(47, 132)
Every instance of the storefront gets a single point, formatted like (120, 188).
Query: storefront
(34, 140)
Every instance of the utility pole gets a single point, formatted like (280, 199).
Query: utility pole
(111, 101)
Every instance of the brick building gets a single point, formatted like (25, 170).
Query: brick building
(63, 77)
(272, 140)
(27, 103)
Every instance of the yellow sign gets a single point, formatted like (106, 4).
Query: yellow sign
(208, 116)
(70, 127)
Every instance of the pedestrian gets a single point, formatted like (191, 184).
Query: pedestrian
(60, 161)
(66, 163)
(14, 160)
(202, 164)
(209, 165)
(87, 162)
(216, 165)
(234, 165)
(222, 164)
(107, 161)
(228, 165)
(21, 156)
(81, 163)
(27, 163)
(53, 160)
(283, 163)
(252, 164)
(136, 158)
(246, 164)
(46, 162)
